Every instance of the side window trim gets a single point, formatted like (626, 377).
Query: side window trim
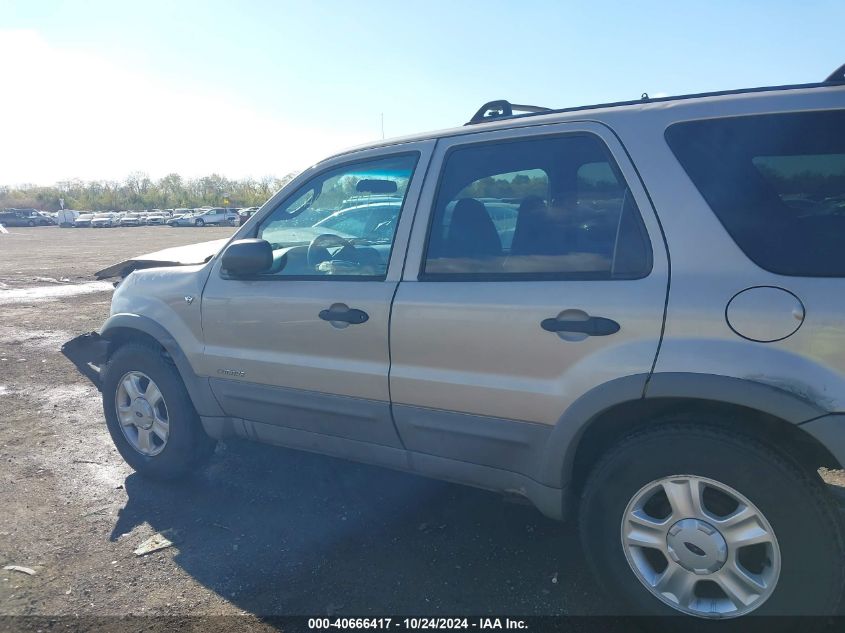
(533, 276)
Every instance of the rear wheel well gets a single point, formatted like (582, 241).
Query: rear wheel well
(610, 426)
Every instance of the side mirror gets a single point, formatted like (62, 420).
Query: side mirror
(247, 257)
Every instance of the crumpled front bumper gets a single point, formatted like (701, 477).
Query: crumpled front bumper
(88, 353)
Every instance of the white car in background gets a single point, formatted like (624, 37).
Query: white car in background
(130, 219)
(104, 220)
(156, 219)
(83, 220)
(179, 217)
(208, 216)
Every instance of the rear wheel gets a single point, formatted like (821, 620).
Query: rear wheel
(150, 416)
(688, 519)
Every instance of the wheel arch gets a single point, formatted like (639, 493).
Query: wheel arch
(604, 415)
(120, 329)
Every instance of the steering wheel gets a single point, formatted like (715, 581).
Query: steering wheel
(318, 253)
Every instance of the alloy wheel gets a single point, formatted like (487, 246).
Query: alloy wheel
(142, 413)
(701, 547)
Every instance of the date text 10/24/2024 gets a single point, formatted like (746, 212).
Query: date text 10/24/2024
(417, 623)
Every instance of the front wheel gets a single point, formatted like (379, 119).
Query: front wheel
(689, 519)
(199, 223)
(150, 416)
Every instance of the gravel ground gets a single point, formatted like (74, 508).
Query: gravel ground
(263, 531)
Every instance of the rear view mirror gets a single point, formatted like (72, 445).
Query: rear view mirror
(376, 186)
(247, 257)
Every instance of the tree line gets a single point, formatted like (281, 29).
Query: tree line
(138, 192)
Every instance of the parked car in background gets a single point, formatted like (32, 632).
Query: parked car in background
(215, 216)
(104, 220)
(131, 218)
(66, 217)
(83, 220)
(358, 200)
(175, 214)
(46, 219)
(9, 217)
(245, 214)
(155, 219)
(182, 219)
(371, 221)
(25, 217)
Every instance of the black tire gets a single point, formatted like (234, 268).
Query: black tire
(30, 223)
(188, 447)
(801, 512)
(199, 223)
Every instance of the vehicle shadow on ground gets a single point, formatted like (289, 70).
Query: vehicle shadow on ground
(279, 532)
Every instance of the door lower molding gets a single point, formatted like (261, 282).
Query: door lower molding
(323, 413)
(499, 443)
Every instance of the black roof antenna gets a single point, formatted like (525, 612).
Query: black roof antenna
(836, 76)
(500, 109)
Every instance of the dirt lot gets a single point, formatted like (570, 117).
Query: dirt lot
(264, 531)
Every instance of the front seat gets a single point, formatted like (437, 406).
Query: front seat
(472, 234)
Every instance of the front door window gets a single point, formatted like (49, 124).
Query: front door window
(342, 222)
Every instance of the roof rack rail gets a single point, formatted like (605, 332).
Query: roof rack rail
(837, 75)
(502, 108)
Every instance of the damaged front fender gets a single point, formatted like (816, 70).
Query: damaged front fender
(88, 352)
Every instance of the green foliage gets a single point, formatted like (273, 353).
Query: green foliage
(511, 186)
(138, 192)
(810, 183)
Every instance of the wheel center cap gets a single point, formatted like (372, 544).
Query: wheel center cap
(143, 412)
(697, 546)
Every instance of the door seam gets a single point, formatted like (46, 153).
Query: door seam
(396, 290)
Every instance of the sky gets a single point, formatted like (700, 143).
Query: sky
(100, 88)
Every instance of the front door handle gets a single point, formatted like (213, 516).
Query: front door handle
(592, 326)
(340, 313)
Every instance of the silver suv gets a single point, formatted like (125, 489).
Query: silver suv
(629, 313)
(216, 216)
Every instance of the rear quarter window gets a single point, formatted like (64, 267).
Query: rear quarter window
(776, 182)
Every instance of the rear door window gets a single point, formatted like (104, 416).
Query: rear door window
(777, 184)
(543, 208)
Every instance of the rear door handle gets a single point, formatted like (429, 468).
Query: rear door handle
(340, 313)
(592, 326)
